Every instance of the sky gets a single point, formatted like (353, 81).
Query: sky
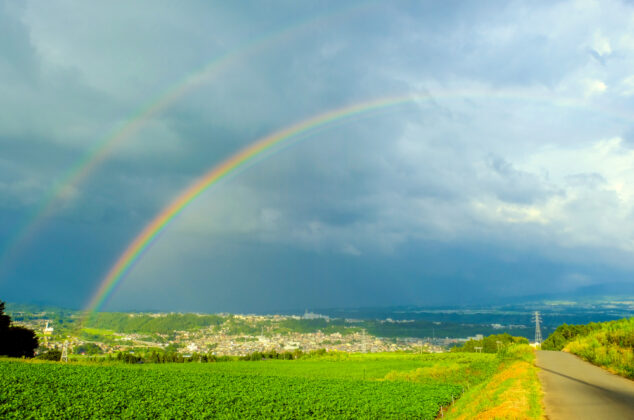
(509, 174)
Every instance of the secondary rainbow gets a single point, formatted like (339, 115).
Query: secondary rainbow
(25, 231)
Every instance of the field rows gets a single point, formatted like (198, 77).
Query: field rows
(49, 390)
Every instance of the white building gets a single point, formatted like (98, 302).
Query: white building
(311, 315)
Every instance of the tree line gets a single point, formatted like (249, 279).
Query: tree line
(491, 344)
(174, 357)
(565, 333)
(15, 341)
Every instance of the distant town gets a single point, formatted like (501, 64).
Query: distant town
(222, 342)
(368, 331)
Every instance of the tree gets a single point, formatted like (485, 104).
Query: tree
(53, 354)
(490, 344)
(5, 320)
(556, 341)
(89, 349)
(15, 341)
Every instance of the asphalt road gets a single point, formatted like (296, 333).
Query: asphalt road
(575, 389)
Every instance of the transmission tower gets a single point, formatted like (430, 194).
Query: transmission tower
(64, 357)
(538, 331)
(363, 341)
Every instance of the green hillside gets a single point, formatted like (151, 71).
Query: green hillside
(607, 344)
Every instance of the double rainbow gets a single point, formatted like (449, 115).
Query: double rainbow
(81, 170)
(145, 239)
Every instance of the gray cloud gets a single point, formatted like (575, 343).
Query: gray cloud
(515, 186)
(628, 137)
(588, 180)
(514, 149)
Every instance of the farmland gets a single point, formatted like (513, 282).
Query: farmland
(341, 386)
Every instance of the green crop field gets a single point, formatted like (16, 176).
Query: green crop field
(347, 386)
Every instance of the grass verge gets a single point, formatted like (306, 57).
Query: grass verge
(514, 392)
(611, 346)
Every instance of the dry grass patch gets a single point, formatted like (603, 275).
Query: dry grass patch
(513, 393)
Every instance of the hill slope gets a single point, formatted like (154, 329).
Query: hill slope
(606, 344)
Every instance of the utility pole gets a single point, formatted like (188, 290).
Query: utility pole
(538, 331)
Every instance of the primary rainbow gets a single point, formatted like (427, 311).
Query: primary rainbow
(156, 226)
(104, 148)
(259, 148)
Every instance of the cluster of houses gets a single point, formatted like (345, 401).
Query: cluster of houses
(240, 345)
(221, 343)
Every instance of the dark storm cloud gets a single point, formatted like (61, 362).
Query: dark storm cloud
(17, 56)
(395, 202)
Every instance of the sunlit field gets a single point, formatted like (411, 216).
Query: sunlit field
(351, 386)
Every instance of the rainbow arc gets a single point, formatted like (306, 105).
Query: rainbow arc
(265, 147)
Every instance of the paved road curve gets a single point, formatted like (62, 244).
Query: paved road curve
(574, 389)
